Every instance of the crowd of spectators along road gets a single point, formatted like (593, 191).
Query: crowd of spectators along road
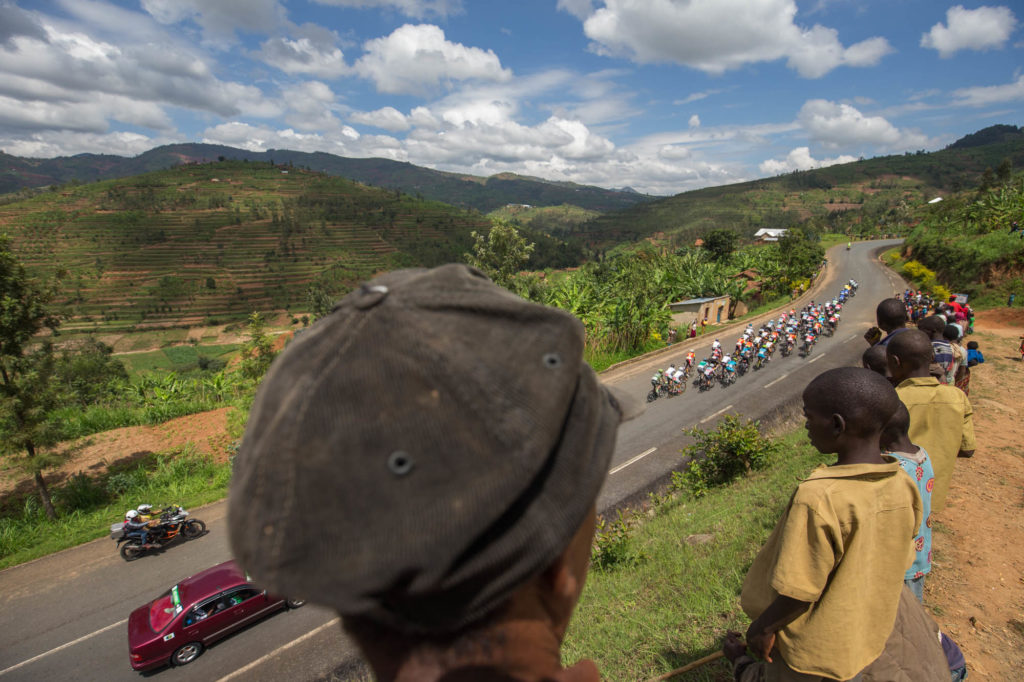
(754, 349)
(463, 508)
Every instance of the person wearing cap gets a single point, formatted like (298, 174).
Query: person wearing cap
(463, 507)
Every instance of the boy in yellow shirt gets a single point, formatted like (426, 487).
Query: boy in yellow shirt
(824, 590)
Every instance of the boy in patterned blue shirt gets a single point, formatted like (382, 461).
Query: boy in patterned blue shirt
(895, 441)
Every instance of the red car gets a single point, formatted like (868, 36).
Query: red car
(179, 624)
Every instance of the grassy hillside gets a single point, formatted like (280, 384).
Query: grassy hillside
(973, 242)
(221, 240)
(865, 197)
(466, 191)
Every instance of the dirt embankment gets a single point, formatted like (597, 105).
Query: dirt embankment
(976, 588)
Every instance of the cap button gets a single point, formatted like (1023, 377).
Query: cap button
(370, 295)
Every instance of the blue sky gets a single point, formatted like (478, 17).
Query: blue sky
(660, 95)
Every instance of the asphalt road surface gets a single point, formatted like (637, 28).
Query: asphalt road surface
(63, 617)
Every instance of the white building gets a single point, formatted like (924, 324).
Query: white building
(770, 234)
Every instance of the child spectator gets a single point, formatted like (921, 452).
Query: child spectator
(934, 326)
(941, 418)
(836, 559)
(874, 359)
(895, 441)
(891, 316)
(974, 356)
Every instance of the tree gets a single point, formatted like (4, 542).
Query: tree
(720, 244)
(319, 301)
(258, 352)
(501, 254)
(28, 394)
(1005, 171)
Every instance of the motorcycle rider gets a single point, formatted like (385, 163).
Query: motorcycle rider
(135, 526)
(146, 512)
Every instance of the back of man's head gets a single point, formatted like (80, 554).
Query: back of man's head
(874, 359)
(909, 352)
(865, 400)
(891, 314)
(933, 326)
(422, 451)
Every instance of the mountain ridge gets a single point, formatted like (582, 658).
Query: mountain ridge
(484, 194)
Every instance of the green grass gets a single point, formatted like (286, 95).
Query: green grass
(676, 605)
(175, 358)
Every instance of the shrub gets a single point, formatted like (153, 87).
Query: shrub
(720, 456)
(613, 546)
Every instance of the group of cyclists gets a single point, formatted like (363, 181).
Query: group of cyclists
(791, 331)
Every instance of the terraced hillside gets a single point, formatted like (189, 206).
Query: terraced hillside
(218, 241)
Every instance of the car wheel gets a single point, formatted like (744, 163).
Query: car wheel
(187, 653)
(193, 529)
(294, 603)
(131, 551)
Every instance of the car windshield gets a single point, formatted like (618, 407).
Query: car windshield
(163, 610)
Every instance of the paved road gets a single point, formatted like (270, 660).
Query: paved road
(756, 394)
(63, 617)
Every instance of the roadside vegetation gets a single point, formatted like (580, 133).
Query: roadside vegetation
(973, 239)
(638, 618)
(623, 301)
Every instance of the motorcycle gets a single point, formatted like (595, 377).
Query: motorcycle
(174, 521)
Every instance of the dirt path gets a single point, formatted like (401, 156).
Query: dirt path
(976, 588)
(206, 432)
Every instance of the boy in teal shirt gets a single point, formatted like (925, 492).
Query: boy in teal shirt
(895, 441)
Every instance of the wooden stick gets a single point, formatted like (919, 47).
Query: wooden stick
(688, 667)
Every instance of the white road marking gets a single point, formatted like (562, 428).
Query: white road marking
(775, 381)
(263, 659)
(816, 358)
(850, 337)
(632, 461)
(712, 416)
(63, 646)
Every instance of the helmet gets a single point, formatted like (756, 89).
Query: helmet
(131, 514)
(145, 508)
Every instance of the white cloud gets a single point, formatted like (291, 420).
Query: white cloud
(695, 97)
(971, 29)
(73, 81)
(220, 19)
(310, 106)
(17, 22)
(386, 118)
(344, 142)
(581, 9)
(57, 143)
(303, 56)
(717, 35)
(418, 59)
(992, 94)
(843, 126)
(695, 121)
(410, 8)
(800, 159)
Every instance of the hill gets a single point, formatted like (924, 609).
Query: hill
(220, 240)
(868, 196)
(466, 191)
